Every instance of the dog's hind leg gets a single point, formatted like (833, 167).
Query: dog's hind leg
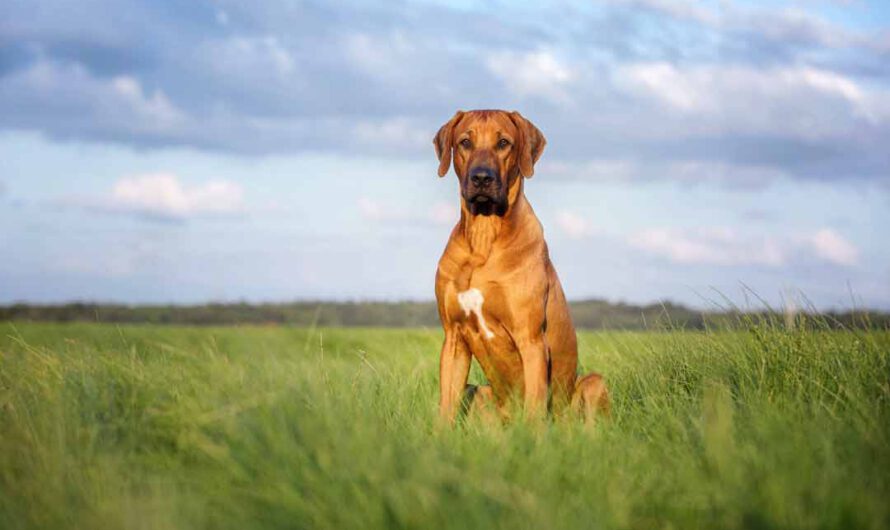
(591, 398)
(478, 400)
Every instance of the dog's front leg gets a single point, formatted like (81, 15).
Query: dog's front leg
(535, 373)
(454, 370)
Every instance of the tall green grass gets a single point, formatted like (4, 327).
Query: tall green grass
(172, 427)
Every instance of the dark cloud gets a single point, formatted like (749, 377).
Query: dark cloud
(654, 83)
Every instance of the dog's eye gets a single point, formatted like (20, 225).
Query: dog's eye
(503, 143)
(466, 143)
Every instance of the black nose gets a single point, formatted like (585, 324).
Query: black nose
(482, 177)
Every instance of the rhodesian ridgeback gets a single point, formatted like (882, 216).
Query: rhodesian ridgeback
(498, 295)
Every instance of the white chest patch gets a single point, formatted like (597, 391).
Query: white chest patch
(471, 301)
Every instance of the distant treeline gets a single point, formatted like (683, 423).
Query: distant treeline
(588, 314)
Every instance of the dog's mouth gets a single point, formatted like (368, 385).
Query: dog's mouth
(482, 204)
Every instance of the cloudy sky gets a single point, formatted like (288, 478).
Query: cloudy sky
(167, 151)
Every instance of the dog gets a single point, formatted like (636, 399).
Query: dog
(498, 295)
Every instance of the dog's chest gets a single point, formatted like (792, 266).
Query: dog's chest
(484, 328)
(472, 307)
(478, 308)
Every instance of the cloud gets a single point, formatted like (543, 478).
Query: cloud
(533, 74)
(723, 246)
(592, 170)
(156, 106)
(163, 196)
(574, 225)
(66, 94)
(255, 54)
(832, 247)
(680, 10)
(381, 56)
(649, 86)
(392, 134)
(737, 175)
(716, 246)
(789, 25)
(440, 213)
(801, 101)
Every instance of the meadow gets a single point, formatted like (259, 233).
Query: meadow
(139, 426)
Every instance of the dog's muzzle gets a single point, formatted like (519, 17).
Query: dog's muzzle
(483, 178)
(484, 192)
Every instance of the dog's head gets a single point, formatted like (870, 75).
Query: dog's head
(492, 150)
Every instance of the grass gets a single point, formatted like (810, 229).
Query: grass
(177, 427)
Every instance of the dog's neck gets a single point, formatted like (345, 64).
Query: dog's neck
(481, 231)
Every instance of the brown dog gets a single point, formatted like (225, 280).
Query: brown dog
(498, 294)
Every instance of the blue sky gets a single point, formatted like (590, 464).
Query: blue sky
(160, 151)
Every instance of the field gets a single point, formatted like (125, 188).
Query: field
(262, 427)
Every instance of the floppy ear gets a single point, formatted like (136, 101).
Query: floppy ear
(442, 142)
(530, 144)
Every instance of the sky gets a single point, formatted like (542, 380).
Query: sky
(157, 151)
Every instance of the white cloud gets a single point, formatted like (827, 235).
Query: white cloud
(802, 100)
(665, 82)
(266, 50)
(539, 73)
(394, 133)
(574, 225)
(380, 55)
(119, 102)
(788, 24)
(680, 10)
(685, 171)
(712, 246)
(441, 213)
(595, 170)
(155, 107)
(726, 247)
(781, 88)
(162, 195)
(706, 171)
(832, 247)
